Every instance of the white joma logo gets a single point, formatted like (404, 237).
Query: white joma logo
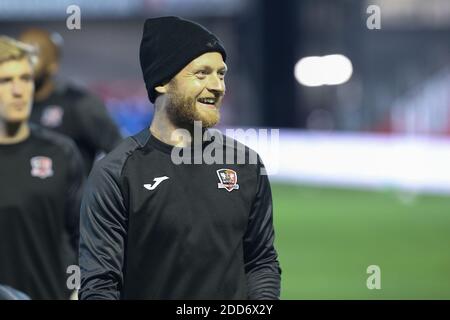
(157, 181)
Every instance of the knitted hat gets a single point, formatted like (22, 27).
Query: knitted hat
(168, 45)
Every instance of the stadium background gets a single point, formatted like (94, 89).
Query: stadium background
(330, 225)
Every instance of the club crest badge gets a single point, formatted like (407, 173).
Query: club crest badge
(228, 179)
(41, 167)
(52, 116)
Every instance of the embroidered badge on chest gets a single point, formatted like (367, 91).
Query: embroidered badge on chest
(228, 179)
(41, 167)
(52, 116)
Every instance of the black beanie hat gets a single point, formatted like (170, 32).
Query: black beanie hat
(168, 45)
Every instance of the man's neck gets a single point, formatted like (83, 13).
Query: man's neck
(12, 133)
(44, 90)
(164, 130)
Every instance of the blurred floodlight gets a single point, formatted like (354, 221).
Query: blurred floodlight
(327, 70)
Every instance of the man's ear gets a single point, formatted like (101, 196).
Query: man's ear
(161, 89)
(53, 68)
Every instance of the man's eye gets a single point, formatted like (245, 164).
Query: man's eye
(4, 80)
(201, 73)
(27, 78)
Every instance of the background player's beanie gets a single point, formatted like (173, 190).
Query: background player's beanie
(168, 45)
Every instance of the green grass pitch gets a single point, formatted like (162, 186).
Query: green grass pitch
(326, 238)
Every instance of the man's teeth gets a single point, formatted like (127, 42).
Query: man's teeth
(207, 100)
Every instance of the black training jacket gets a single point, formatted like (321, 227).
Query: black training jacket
(40, 194)
(153, 229)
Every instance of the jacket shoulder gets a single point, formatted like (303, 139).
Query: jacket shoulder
(48, 137)
(115, 160)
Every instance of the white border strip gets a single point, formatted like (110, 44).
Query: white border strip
(410, 163)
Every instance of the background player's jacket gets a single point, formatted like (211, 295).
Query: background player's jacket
(81, 116)
(151, 229)
(40, 197)
(8, 293)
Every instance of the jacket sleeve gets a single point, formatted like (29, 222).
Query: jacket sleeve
(76, 178)
(261, 259)
(99, 129)
(103, 228)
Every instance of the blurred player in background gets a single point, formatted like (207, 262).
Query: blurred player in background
(41, 175)
(152, 229)
(64, 108)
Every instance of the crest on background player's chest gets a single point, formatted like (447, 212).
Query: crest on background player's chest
(52, 116)
(41, 167)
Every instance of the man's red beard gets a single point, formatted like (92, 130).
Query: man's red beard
(183, 112)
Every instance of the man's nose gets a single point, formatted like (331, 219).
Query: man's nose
(216, 84)
(17, 88)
